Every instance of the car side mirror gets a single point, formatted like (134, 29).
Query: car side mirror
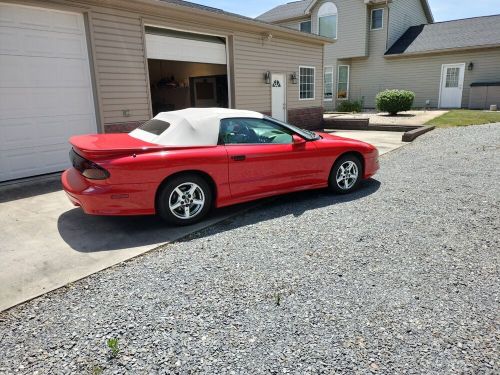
(298, 140)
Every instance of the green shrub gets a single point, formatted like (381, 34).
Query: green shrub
(350, 106)
(394, 101)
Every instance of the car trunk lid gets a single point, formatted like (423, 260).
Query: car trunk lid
(98, 146)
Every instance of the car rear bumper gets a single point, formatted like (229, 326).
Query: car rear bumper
(112, 200)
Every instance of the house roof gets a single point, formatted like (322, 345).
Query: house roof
(233, 17)
(286, 11)
(450, 35)
(204, 7)
(302, 8)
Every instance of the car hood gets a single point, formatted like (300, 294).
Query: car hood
(330, 137)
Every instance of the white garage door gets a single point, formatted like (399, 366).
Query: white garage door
(45, 89)
(164, 44)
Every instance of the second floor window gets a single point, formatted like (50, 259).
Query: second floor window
(305, 26)
(327, 20)
(377, 19)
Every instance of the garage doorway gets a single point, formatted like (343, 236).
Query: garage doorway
(186, 70)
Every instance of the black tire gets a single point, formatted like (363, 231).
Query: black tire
(342, 187)
(168, 192)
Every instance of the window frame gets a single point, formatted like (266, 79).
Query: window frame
(310, 26)
(371, 19)
(313, 82)
(324, 80)
(328, 14)
(338, 81)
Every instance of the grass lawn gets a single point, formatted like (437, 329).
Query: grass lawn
(464, 117)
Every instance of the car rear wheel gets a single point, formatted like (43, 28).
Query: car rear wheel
(185, 200)
(346, 174)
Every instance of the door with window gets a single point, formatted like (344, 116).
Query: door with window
(263, 157)
(278, 99)
(452, 84)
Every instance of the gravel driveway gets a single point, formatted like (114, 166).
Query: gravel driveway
(400, 278)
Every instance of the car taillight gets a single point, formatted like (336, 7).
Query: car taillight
(88, 168)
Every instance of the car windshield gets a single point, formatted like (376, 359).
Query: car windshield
(307, 134)
(155, 126)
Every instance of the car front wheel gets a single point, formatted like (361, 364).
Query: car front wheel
(346, 174)
(185, 200)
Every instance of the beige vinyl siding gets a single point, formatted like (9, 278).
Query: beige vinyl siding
(351, 30)
(295, 24)
(120, 66)
(421, 74)
(253, 57)
(351, 37)
(402, 15)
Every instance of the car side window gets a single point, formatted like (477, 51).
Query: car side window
(253, 131)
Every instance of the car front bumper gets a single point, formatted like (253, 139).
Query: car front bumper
(371, 165)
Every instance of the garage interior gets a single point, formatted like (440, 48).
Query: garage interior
(186, 70)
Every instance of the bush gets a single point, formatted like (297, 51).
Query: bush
(394, 101)
(348, 106)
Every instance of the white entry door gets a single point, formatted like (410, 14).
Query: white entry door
(45, 89)
(452, 84)
(278, 96)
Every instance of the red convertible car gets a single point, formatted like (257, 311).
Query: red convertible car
(180, 164)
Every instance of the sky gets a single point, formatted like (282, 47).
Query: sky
(443, 10)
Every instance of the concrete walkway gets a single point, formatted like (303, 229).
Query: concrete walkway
(410, 118)
(385, 141)
(47, 243)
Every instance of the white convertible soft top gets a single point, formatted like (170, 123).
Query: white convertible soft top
(192, 127)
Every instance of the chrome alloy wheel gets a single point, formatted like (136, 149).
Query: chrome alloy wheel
(347, 175)
(186, 200)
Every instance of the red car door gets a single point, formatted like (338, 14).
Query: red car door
(263, 158)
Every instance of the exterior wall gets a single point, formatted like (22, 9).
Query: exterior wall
(421, 74)
(119, 63)
(352, 36)
(295, 24)
(482, 97)
(351, 29)
(351, 41)
(402, 15)
(253, 57)
(120, 68)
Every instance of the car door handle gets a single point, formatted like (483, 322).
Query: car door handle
(238, 157)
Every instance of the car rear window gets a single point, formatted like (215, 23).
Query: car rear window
(155, 126)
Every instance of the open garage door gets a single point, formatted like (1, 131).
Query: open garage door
(186, 70)
(45, 89)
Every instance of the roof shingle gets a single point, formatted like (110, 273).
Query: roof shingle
(458, 34)
(293, 9)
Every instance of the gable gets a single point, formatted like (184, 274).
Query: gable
(297, 9)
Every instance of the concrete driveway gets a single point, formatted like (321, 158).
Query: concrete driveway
(47, 243)
(384, 140)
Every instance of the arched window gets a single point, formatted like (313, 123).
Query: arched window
(327, 20)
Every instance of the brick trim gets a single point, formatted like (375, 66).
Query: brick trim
(306, 118)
